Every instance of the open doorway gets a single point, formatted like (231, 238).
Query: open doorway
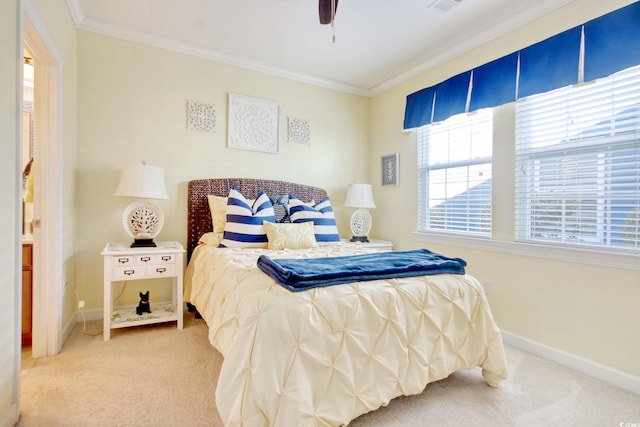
(28, 140)
(45, 220)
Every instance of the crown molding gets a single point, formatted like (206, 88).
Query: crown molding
(76, 12)
(100, 27)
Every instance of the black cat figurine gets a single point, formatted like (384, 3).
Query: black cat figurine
(144, 305)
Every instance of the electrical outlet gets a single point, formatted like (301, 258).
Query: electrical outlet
(81, 304)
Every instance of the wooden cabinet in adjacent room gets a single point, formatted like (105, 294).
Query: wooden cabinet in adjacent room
(27, 280)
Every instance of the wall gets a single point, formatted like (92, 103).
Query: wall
(585, 310)
(132, 107)
(10, 190)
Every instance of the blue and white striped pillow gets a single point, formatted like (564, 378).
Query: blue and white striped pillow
(281, 208)
(243, 228)
(321, 214)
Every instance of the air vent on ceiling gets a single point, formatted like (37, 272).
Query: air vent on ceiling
(444, 5)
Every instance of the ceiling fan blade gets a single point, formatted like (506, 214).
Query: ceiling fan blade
(324, 9)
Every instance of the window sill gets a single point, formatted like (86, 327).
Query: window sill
(583, 256)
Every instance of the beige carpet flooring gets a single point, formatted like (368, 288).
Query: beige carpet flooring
(159, 376)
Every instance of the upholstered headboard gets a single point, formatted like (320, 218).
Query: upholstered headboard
(199, 215)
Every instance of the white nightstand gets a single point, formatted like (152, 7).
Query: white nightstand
(122, 263)
(382, 245)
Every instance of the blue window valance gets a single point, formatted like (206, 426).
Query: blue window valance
(451, 96)
(494, 83)
(419, 108)
(611, 43)
(550, 64)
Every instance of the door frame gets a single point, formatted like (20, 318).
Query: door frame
(48, 280)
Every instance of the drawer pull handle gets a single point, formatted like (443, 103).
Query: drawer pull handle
(145, 258)
(161, 269)
(123, 260)
(166, 258)
(129, 272)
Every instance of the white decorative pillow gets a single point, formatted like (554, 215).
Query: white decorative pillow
(320, 214)
(244, 221)
(218, 208)
(290, 236)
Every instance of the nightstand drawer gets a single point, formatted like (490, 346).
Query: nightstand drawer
(129, 273)
(131, 260)
(155, 259)
(161, 270)
(123, 260)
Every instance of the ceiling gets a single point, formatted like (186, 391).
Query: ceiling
(378, 43)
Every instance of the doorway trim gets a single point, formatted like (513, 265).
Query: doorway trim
(48, 280)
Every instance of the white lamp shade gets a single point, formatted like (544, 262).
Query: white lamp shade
(359, 196)
(142, 181)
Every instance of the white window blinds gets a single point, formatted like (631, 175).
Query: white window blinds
(454, 166)
(578, 164)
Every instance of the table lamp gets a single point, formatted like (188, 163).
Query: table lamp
(360, 196)
(142, 219)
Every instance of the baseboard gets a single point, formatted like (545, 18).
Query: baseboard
(593, 369)
(89, 315)
(66, 330)
(11, 417)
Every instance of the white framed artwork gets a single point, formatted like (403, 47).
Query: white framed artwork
(390, 169)
(253, 124)
(201, 116)
(299, 130)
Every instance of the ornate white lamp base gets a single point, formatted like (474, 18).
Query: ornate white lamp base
(143, 220)
(360, 225)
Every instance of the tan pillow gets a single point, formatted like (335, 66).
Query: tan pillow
(210, 239)
(218, 207)
(290, 236)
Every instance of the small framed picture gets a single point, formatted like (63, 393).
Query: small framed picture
(390, 169)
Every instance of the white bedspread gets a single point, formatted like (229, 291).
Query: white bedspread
(327, 355)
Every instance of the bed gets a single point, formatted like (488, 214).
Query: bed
(324, 356)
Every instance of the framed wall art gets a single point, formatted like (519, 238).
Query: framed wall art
(390, 169)
(299, 130)
(253, 124)
(201, 116)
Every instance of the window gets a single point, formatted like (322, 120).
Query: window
(454, 167)
(578, 164)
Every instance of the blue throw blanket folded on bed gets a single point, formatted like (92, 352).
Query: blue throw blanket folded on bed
(300, 274)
